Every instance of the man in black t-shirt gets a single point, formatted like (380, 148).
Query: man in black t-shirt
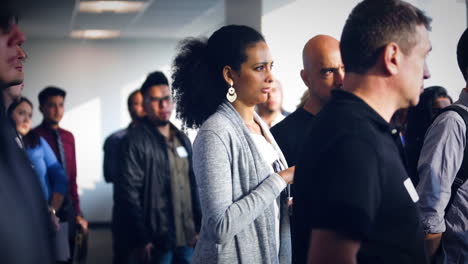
(354, 201)
(323, 71)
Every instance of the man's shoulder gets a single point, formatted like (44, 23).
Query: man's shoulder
(142, 134)
(67, 135)
(119, 133)
(298, 117)
(65, 132)
(298, 114)
(342, 118)
(136, 132)
(337, 128)
(449, 114)
(115, 138)
(448, 120)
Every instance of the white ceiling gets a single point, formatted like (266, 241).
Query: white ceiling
(162, 19)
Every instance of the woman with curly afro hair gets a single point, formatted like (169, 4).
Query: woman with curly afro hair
(241, 174)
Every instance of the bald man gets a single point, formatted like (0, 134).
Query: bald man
(323, 71)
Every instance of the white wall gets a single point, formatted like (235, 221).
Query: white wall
(449, 22)
(287, 29)
(98, 76)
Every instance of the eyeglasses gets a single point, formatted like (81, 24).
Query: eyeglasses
(159, 100)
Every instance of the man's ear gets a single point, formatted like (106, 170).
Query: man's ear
(146, 105)
(304, 77)
(391, 57)
(227, 75)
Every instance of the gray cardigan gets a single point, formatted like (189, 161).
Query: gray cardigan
(237, 191)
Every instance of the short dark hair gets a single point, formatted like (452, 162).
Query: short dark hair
(130, 97)
(50, 91)
(462, 53)
(198, 83)
(154, 78)
(372, 25)
(8, 15)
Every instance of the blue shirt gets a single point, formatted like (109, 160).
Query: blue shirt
(48, 169)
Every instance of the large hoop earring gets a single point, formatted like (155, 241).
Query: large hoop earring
(231, 94)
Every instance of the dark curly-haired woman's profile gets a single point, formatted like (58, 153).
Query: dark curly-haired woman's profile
(239, 168)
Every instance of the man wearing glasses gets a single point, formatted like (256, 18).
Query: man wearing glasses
(157, 188)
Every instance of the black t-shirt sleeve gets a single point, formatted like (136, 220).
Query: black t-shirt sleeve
(345, 193)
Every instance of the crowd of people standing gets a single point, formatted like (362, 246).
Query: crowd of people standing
(370, 168)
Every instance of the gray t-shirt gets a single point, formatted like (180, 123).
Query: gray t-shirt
(181, 193)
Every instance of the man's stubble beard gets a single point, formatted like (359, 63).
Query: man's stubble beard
(161, 122)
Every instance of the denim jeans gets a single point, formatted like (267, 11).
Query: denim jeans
(180, 255)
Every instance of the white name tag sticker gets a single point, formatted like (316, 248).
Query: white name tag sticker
(181, 152)
(411, 190)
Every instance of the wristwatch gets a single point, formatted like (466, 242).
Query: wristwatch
(52, 210)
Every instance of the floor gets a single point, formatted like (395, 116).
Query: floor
(99, 246)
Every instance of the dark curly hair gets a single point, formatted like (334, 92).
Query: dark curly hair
(198, 85)
(372, 25)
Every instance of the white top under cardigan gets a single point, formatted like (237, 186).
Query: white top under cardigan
(270, 156)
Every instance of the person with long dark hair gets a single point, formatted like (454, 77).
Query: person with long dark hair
(49, 172)
(420, 117)
(240, 171)
(48, 169)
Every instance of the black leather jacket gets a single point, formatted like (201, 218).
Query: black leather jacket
(143, 191)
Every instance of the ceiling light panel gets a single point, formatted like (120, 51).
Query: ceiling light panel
(95, 34)
(111, 6)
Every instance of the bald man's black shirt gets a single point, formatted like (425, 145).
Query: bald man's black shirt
(291, 133)
(351, 179)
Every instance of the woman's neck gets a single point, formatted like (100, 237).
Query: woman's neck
(247, 114)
